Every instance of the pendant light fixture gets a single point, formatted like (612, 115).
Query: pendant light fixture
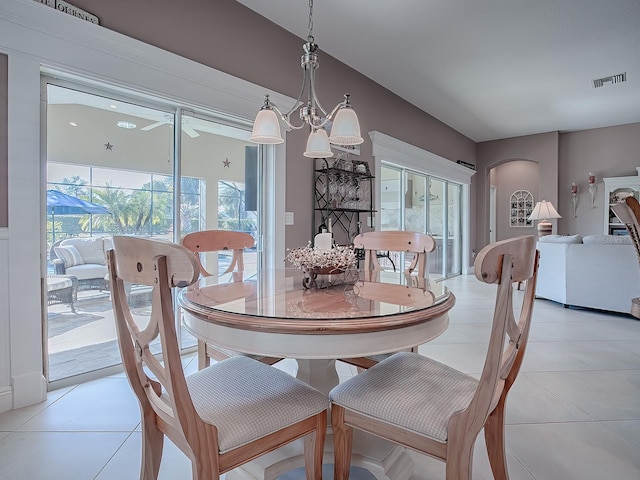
(345, 128)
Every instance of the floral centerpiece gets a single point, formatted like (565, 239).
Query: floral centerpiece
(318, 261)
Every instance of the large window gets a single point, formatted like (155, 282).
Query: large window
(138, 203)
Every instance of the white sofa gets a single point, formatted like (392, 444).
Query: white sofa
(597, 271)
(84, 258)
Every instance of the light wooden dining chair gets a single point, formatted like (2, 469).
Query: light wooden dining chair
(417, 244)
(432, 408)
(220, 417)
(210, 241)
(629, 214)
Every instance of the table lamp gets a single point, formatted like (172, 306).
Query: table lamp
(543, 211)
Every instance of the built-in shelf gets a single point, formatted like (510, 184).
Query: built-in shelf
(616, 189)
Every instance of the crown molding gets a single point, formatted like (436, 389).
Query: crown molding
(392, 150)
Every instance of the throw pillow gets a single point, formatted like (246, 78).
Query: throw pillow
(607, 239)
(561, 239)
(69, 255)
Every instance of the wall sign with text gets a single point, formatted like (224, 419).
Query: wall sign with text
(69, 9)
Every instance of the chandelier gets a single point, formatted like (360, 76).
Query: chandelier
(345, 129)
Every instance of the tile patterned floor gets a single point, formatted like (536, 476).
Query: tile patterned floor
(574, 412)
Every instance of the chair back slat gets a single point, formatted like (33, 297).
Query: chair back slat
(217, 241)
(395, 241)
(504, 262)
(160, 265)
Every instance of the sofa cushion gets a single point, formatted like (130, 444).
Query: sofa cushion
(88, 271)
(91, 249)
(69, 255)
(607, 239)
(561, 239)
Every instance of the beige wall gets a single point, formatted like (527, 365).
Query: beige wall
(4, 159)
(230, 37)
(607, 152)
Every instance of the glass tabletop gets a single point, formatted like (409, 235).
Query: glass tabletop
(281, 294)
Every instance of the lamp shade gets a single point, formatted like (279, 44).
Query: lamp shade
(544, 211)
(318, 145)
(345, 129)
(266, 128)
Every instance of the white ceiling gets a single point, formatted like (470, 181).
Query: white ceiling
(488, 68)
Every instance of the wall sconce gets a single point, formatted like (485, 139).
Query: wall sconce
(592, 189)
(574, 197)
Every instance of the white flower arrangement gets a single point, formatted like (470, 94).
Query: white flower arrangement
(332, 260)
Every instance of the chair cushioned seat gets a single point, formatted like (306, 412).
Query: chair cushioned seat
(396, 389)
(247, 400)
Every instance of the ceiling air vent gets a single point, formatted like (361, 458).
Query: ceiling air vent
(619, 78)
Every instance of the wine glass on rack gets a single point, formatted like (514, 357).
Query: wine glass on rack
(333, 190)
(342, 190)
(351, 193)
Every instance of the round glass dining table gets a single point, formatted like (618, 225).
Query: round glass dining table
(352, 314)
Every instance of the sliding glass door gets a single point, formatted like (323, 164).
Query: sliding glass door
(123, 170)
(415, 201)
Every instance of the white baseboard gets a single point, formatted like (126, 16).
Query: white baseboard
(29, 389)
(6, 399)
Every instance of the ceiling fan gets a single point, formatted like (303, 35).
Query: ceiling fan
(186, 128)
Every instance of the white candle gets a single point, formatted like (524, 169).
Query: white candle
(322, 241)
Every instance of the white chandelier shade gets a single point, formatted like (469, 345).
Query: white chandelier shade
(318, 145)
(266, 128)
(345, 129)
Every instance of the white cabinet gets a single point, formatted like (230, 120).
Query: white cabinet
(616, 189)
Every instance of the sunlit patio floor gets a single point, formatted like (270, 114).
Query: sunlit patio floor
(85, 341)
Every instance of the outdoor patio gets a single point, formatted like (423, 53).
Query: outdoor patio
(85, 341)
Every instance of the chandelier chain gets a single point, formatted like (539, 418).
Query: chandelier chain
(310, 36)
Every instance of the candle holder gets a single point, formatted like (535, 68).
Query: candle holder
(592, 189)
(574, 197)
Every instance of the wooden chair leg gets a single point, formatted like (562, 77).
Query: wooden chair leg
(342, 442)
(202, 469)
(203, 359)
(460, 459)
(494, 438)
(152, 445)
(314, 449)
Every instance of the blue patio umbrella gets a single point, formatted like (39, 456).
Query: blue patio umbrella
(59, 203)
